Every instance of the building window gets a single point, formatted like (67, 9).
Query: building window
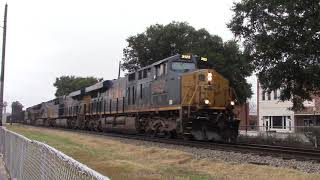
(275, 94)
(133, 95)
(277, 122)
(132, 77)
(266, 122)
(140, 74)
(158, 71)
(308, 122)
(129, 94)
(269, 96)
(149, 72)
(140, 91)
(164, 68)
(122, 104)
(117, 107)
(263, 95)
(146, 73)
(161, 69)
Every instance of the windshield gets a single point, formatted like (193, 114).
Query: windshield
(183, 66)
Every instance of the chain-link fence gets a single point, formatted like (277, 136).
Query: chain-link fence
(27, 159)
(281, 135)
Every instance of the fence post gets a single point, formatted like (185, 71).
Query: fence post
(23, 151)
(42, 170)
(315, 142)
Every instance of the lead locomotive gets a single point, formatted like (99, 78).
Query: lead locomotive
(180, 96)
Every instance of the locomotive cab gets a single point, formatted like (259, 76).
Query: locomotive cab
(203, 96)
(207, 101)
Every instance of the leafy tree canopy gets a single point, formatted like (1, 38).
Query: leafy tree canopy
(162, 41)
(16, 106)
(68, 84)
(16, 114)
(283, 38)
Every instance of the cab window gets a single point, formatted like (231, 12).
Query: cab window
(161, 69)
(183, 66)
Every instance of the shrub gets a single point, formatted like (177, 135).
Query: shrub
(313, 134)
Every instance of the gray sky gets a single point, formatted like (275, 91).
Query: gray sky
(47, 39)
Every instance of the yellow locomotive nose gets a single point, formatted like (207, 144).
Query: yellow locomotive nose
(205, 88)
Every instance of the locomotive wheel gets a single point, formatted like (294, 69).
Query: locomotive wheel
(86, 125)
(204, 133)
(74, 123)
(92, 125)
(186, 138)
(99, 127)
(174, 134)
(168, 135)
(151, 133)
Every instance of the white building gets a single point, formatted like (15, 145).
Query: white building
(274, 115)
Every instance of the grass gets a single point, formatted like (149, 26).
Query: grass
(119, 160)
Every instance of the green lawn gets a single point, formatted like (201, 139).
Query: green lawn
(127, 161)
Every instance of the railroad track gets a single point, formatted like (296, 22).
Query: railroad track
(285, 152)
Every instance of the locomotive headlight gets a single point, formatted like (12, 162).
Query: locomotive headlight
(206, 101)
(209, 76)
(232, 103)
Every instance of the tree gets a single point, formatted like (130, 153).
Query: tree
(162, 41)
(68, 84)
(16, 106)
(16, 114)
(283, 38)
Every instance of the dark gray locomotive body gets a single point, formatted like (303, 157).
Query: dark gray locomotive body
(172, 97)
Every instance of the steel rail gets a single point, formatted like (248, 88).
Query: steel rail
(285, 152)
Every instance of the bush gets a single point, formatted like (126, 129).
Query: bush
(272, 139)
(313, 134)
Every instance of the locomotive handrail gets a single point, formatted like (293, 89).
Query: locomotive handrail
(185, 97)
(193, 95)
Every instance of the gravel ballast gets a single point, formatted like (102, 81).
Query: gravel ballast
(232, 157)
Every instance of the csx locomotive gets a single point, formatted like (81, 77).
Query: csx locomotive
(180, 96)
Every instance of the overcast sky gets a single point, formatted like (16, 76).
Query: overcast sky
(50, 38)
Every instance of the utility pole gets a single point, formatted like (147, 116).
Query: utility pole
(3, 61)
(5, 104)
(119, 69)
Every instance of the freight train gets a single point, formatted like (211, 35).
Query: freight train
(177, 97)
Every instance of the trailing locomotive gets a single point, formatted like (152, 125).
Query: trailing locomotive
(180, 96)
